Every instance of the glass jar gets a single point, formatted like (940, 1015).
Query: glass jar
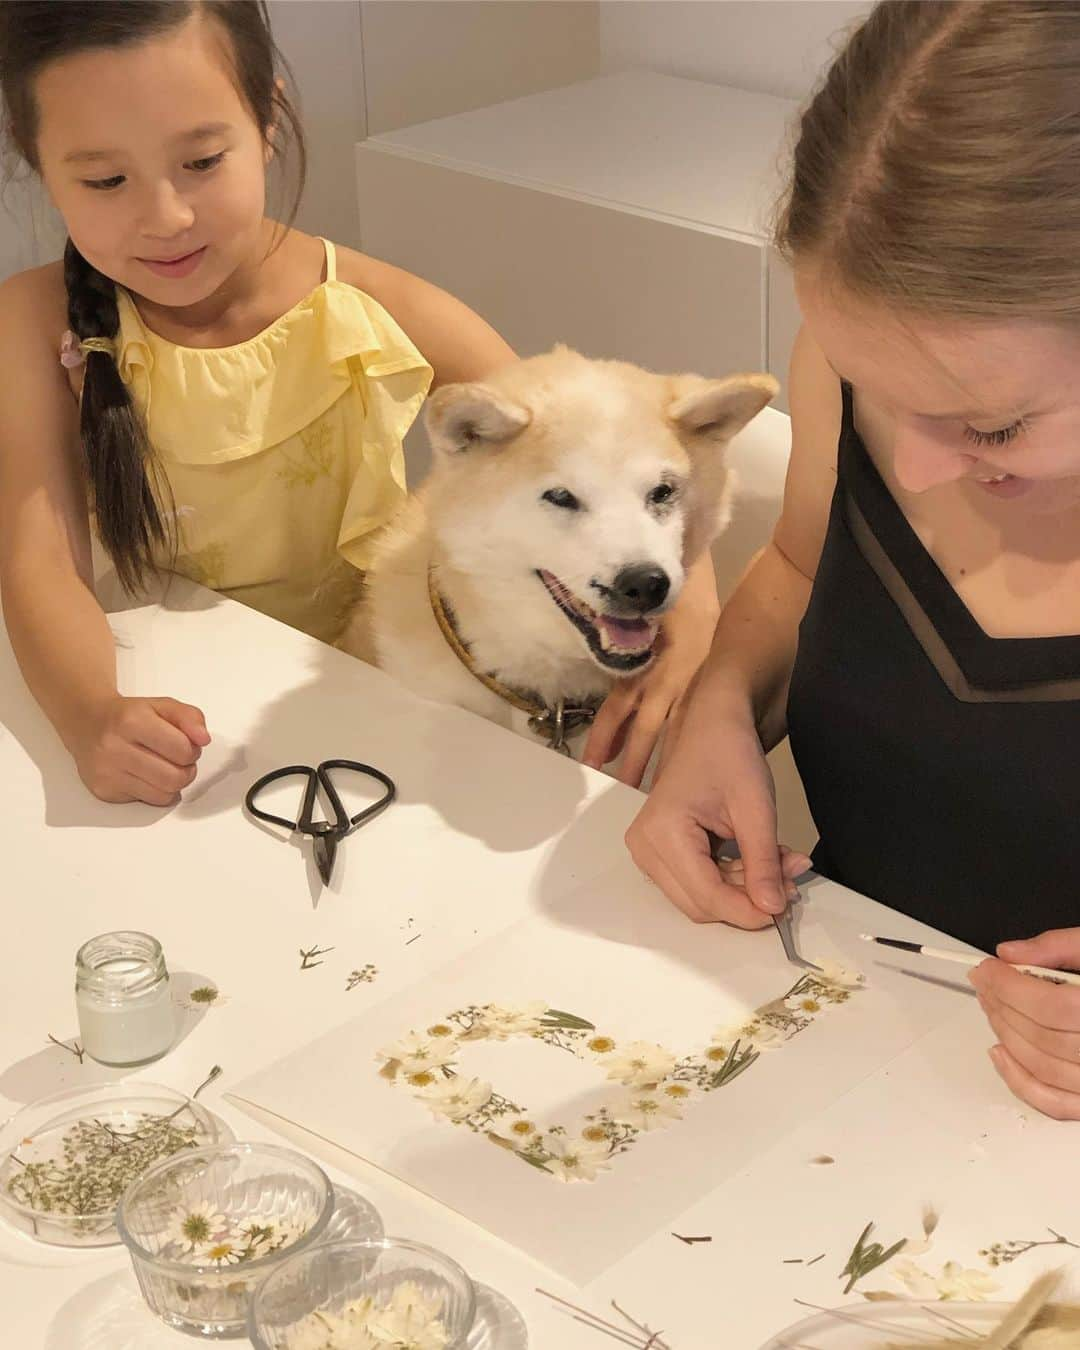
(123, 997)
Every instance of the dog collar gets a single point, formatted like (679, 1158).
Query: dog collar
(554, 724)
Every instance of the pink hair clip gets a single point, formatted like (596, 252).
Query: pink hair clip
(73, 350)
(71, 354)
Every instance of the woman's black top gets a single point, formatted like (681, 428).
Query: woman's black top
(942, 766)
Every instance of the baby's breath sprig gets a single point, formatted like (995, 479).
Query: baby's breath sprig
(95, 1165)
(1002, 1253)
(365, 975)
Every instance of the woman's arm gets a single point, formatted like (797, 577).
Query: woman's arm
(716, 778)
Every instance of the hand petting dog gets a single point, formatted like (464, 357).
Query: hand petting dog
(634, 715)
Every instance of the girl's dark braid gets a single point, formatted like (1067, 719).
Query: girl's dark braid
(114, 438)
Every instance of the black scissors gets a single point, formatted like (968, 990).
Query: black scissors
(325, 834)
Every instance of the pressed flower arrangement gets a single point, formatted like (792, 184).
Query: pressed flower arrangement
(655, 1086)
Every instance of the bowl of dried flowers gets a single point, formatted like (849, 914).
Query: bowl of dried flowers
(66, 1159)
(204, 1227)
(364, 1296)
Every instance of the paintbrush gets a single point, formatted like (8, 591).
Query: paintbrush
(966, 959)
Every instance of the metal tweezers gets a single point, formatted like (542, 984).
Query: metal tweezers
(782, 921)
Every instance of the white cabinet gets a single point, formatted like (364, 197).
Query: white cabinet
(625, 215)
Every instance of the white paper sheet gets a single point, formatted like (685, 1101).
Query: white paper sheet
(617, 956)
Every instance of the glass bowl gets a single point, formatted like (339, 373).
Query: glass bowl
(66, 1159)
(319, 1298)
(203, 1228)
(856, 1328)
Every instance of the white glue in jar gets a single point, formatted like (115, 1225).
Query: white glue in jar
(123, 997)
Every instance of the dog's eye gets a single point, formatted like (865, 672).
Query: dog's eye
(562, 497)
(663, 492)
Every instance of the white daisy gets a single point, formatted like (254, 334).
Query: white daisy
(414, 1053)
(648, 1111)
(678, 1092)
(576, 1159)
(640, 1064)
(500, 1021)
(733, 1031)
(410, 1321)
(965, 1286)
(953, 1284)
(519, 1130)
(844, 977)
(456, 1098)
(763, 1036)
(194, 1227)
(807, 1003)
(918, 1282)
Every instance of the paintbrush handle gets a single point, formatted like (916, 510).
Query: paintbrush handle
(965, 959)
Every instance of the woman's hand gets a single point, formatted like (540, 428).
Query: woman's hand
(1037, 1023)
(140, 749)
(634, 714)
(717, 780)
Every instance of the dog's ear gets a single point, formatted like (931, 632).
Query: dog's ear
(720, 408)
(472, 416)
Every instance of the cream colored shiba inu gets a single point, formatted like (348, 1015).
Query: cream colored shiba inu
(566, 501)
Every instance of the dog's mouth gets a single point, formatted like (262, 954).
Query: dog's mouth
(617, 643)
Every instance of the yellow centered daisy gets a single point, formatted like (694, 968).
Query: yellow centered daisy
(716, 1053)
(221, 1251)
(677, 1090)
(423, 1079)
(594, 1134)
(195, 1228)
(523, 1127)
(440, 1029)
(810, 1004)
(601, 1045)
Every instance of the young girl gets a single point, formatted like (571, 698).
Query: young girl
(240, 390)
(914, 622)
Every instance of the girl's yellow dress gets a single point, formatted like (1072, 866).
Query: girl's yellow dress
(282, 454)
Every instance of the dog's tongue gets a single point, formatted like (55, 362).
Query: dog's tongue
(631, 634)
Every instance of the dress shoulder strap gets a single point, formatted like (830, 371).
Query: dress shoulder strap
(331, 260)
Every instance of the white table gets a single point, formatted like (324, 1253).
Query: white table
(488, 828)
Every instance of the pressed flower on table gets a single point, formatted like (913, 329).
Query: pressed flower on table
(661, 1086)
(647, 1110)
(414, 1053)
(456, 1098)
(576, 1159)
(639, 1064)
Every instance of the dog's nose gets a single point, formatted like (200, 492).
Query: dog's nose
(641, 587)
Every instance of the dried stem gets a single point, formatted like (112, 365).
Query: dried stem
(73, 1049)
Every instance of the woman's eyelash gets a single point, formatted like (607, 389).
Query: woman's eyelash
(1002, 436)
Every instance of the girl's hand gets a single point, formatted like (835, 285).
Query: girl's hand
(1037, 1023)
(633, 715)
(716, 779)
(140, 750)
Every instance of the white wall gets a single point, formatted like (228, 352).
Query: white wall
(321, 40)
(429, 58)
(775, 46)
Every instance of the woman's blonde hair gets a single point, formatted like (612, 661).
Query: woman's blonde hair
(938, 165)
